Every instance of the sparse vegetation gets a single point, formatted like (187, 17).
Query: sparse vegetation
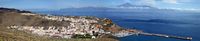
(10, 17)
(15, 35)
(87, 36)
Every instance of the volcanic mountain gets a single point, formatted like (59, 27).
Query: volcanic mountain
(129, 5)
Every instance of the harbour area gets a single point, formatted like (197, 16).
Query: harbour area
(166, 36)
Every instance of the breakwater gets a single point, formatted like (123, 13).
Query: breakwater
(166, 36)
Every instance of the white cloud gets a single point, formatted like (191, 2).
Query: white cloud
(185, 1)
(176, 1)
(147, 2)
(154, 2)
(190, 9)
(171, 1)
(142, 2)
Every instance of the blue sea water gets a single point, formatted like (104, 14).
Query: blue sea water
(179, 24)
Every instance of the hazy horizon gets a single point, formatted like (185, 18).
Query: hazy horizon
(57, 4)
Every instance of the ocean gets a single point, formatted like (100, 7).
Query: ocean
(178, 24)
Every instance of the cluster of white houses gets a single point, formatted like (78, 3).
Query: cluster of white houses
(27, 14)
(80, 26)
(63, 32)
(81, 19)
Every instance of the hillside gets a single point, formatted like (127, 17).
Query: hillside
(19, 25)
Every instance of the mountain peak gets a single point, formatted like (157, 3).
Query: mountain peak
(129, 5)
(126, 5)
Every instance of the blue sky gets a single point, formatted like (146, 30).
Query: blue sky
(56, 4)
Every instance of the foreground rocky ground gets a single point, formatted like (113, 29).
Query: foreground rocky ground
(15, 35)
(18, 25)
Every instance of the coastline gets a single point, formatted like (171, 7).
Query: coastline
(14, 17)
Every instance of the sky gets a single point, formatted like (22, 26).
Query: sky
(57, 4)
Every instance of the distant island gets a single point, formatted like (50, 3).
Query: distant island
(125, 7)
